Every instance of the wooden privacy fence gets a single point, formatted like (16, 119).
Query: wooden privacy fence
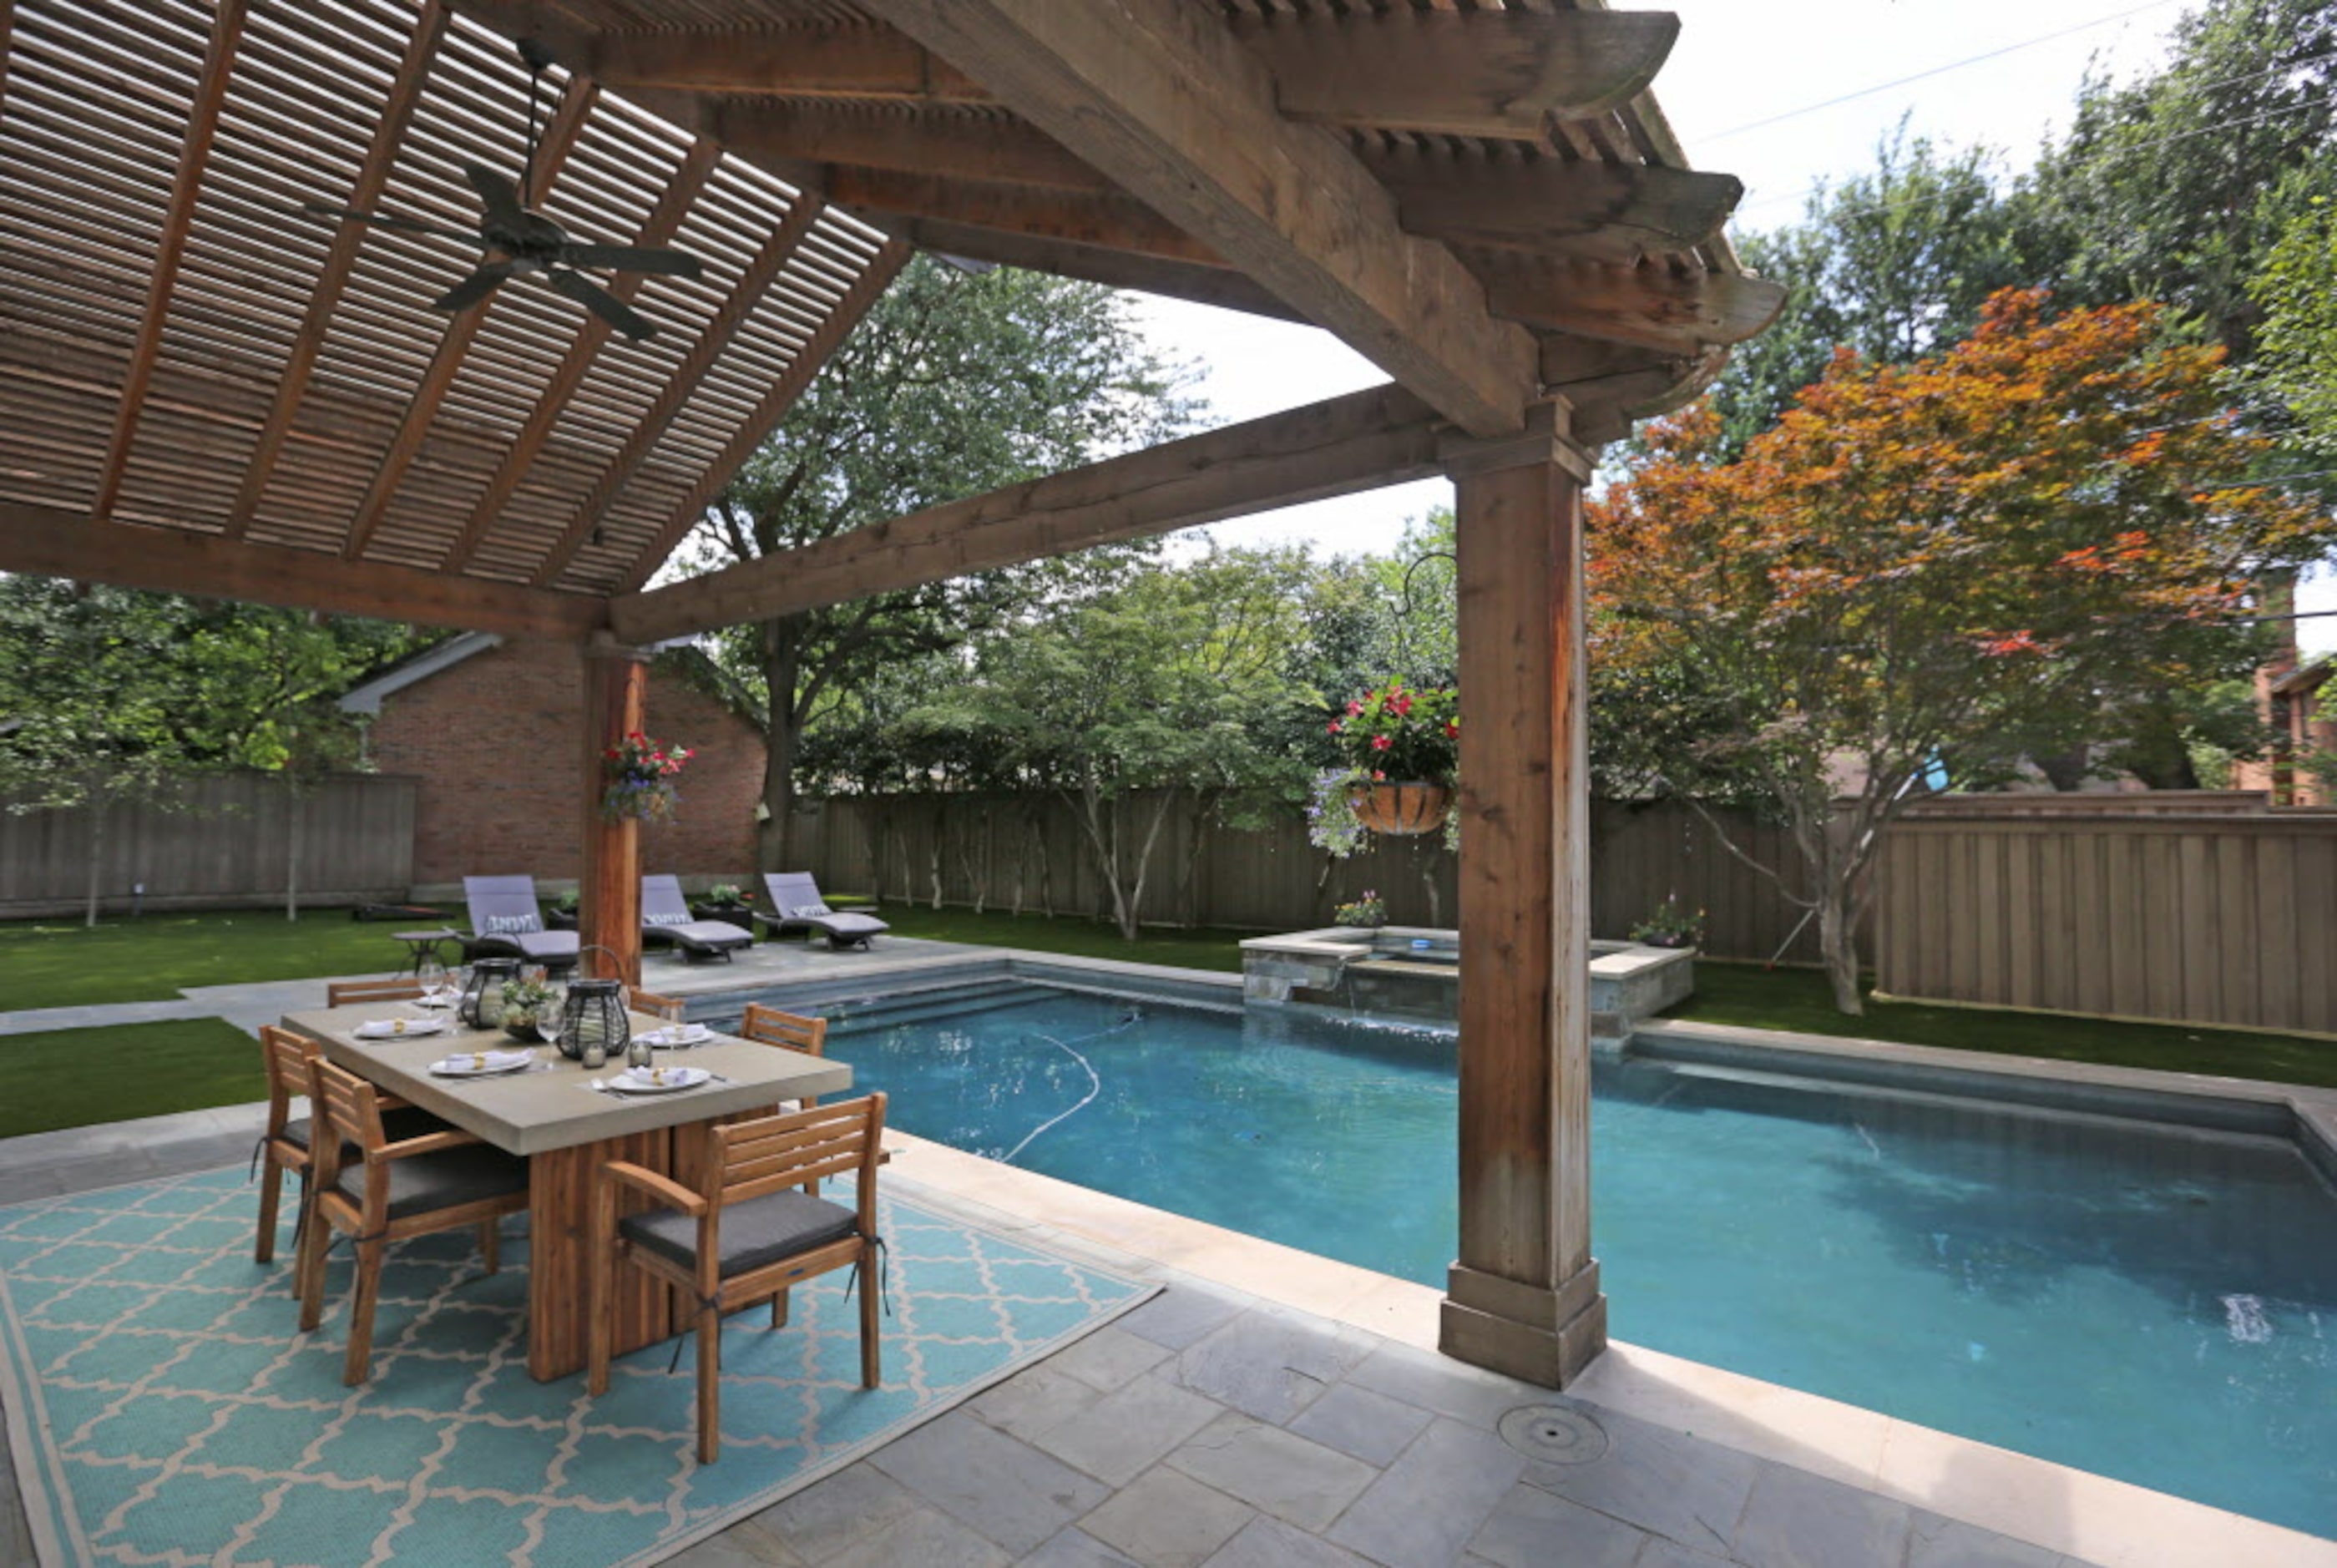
(225, 843)
(1027, 853)
(2222, 916)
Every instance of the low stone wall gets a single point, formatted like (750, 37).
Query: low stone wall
(1413, 972)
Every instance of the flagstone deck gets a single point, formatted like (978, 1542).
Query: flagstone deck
(1274, 1408)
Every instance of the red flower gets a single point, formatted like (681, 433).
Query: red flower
(1378, 777)
(1356, 706)
(1381, 742)
(1400, 703)
(1453, 729)
(1336, 726)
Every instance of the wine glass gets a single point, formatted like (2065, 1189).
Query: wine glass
(431, 971)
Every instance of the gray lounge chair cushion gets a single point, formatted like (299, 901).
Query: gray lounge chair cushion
(546, 946)
(708, 933)
(469, 1174)
(760, 1231)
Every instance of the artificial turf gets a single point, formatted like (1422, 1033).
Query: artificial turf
(1201, 948)
(1800, 999)
(71, 1077)
(63, 963)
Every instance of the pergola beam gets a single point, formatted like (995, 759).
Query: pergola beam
(1203, 284)
(1384, 436)
(373, 174)
(54, 543)
(657, 230)
(806, 365)
(904, 137)
(649, 429)
(1163, 98)
(1648, 305)
(560, 136)
(1546, 205)
(186, 190)
(1506, 74)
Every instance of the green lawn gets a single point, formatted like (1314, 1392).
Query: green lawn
(63, 963)
(1745, 993)
(182, 1065)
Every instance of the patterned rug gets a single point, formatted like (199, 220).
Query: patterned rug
(162, 1409)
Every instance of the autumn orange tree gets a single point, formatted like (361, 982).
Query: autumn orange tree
(1938, 563)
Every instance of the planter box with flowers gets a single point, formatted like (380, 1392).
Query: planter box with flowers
(727, 901)
(640, 774)
(1401, 746)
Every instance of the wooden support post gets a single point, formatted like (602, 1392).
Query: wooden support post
(615, 679)
(1524, 1295)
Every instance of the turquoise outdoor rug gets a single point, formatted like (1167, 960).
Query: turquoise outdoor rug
(162, 1409)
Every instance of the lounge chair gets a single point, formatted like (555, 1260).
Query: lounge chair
(507, 922)
(665, 918)
(797, 905)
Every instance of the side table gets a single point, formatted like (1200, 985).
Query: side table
(420, 945)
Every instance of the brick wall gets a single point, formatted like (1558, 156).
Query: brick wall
(493, 742)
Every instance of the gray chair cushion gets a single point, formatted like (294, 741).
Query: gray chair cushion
(760, 1231)
(442, 1181)
(709, 934)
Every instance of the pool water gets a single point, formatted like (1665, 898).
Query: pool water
(2143, 1301)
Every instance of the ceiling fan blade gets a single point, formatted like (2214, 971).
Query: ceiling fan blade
(473, 289)
(631, 259)
(499, 195)
(388, 220)
(600, 302)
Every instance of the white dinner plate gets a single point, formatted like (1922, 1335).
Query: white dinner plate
(398, 1028)
(658, 1079)
(482, 1064)
(679, 1035)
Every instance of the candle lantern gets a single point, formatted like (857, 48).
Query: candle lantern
(594, 1027)
(482, 1007)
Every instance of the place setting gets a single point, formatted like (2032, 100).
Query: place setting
(654, 1081)
(488, 1064)
(676, 1036)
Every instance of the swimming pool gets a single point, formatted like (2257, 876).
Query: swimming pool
(2143, 1300)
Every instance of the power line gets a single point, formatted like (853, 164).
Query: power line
(1949, 195)
(1935, 71)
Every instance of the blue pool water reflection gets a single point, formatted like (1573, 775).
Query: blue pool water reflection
(2144, 1301)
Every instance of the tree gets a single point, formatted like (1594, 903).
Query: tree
(109, 696)
(955, 383)
(1932, 565)
(2296, 288)
(1169, 680)
(1894, 263)
(2173, 187)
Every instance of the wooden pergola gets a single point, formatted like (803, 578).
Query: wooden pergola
(203, 392)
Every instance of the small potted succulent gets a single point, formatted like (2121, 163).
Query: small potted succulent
(531, 1010)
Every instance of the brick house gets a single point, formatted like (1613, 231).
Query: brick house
(487, 727)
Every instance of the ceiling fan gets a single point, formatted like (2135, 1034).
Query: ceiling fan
(518, 242)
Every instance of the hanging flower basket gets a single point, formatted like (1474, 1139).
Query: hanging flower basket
(1402, 808)
(640, 774)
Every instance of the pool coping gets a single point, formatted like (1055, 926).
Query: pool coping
(2100, 1520)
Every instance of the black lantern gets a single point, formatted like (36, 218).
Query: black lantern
(482, 1007)
(593, 1022)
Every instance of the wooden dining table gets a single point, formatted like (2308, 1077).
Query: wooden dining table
(566, 1130)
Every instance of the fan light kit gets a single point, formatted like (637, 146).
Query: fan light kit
(515, 240)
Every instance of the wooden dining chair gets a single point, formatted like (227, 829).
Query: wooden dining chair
(285, 1146)
(439, 1181)
(747, 1232)
(792, 1031)
(348, 992)
(670, 1009)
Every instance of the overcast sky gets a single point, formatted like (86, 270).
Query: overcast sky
(1735, 67)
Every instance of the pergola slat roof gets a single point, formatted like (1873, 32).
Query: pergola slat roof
(1477, 198)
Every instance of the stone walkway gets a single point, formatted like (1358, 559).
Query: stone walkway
(1211, 1427)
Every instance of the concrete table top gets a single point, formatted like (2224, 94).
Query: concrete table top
(552, 1106)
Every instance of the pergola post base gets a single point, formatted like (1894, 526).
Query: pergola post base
(1545, 1336)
